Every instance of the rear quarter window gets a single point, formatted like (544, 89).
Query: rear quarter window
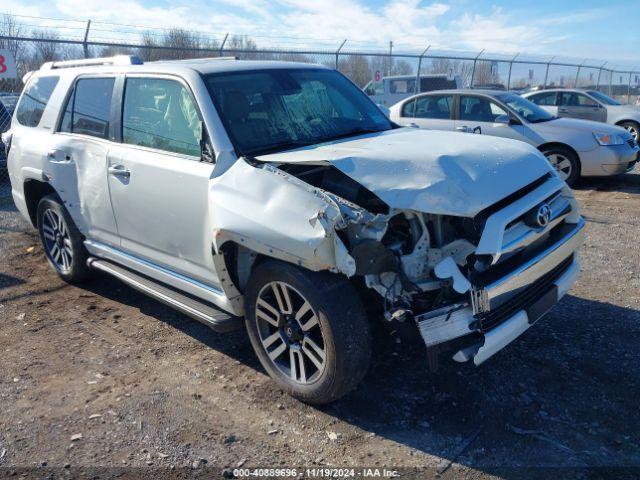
(34, 100)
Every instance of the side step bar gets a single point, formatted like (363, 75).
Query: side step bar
(206, 313)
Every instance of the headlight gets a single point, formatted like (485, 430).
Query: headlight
(608, 138)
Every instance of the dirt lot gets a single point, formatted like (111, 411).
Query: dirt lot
(99, 377)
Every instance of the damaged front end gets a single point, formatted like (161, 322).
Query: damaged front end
(473, 282)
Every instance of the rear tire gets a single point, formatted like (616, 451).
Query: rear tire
(565, 162)
(62, 241)
(308, 329)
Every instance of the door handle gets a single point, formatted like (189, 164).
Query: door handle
(119, 171)
(463, 128)
(58, 156)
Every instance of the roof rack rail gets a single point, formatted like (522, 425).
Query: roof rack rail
(196, 60)
(115, 60)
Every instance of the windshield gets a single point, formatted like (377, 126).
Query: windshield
(526, 109)
(267, 111)
(601, 97)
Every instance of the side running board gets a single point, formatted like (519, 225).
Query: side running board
(204, 312)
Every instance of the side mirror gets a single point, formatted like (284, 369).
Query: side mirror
(385, 110)
(513, 120)
(504, 119)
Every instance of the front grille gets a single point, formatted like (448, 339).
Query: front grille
(523, 299)
(480, 219)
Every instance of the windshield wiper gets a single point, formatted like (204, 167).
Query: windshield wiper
(290, 145)
(351, 133)
(540, 120)
(280, 147)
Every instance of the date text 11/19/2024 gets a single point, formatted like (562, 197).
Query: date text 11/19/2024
(315, 473)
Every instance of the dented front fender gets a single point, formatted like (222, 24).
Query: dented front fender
(275, 214)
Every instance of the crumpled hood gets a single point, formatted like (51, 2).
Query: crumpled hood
(445, 173)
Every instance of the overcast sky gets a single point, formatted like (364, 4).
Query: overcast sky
(572, 28)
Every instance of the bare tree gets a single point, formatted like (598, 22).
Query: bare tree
(9, 27)
(244, 47)
(485, 74)
(176, 44)
(461, 68)
(401, 67)
(357, 68)
(46, 48)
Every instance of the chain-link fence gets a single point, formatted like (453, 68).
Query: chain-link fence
(8, 102)
(33, 44)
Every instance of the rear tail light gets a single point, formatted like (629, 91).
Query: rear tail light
(6, 140)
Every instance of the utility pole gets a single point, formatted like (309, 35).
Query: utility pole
(510, 67)
(390, 57)
(224, 41)
(338, 51)
(578, 73)
(417, 87)
(546, 73)
(473, 69)
(85, 44)
(599, 74)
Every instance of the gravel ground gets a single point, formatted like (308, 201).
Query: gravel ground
(102, 381)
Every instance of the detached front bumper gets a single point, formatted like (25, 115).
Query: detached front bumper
(502, 310)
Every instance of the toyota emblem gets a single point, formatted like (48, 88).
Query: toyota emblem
(544, 215)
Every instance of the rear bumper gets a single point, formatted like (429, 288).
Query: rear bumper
(500, 312)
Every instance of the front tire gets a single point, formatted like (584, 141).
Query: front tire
(633, 128)
(308, 329)
(62, 241)
(565, 162)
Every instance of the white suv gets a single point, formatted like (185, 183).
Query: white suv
(279, 193)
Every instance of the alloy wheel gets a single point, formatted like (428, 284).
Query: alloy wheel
(562, 165)
(633, 131)
(290, 332)
(57, 241)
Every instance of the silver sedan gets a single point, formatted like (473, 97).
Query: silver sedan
(574, 147)
(588, 105)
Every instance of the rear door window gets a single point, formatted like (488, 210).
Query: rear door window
(34, 100)
(434, 106)
(574, 99)
(546, 99)
(479, 109)
(408, 109)
(88, 109)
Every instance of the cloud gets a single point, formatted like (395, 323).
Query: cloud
(411, 24)
(497, 32)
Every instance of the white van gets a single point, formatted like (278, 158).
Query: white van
(390, 90)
